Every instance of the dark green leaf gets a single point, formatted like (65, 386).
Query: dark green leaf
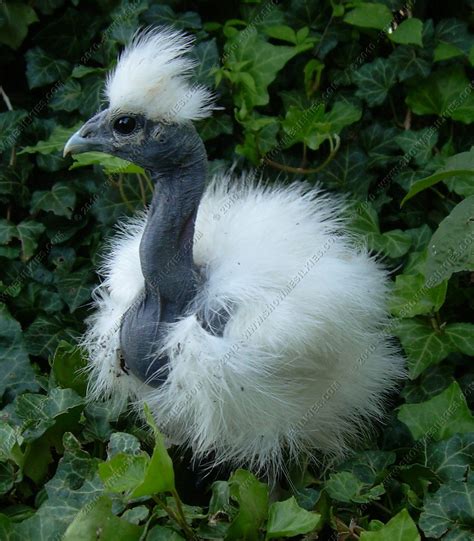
(76, 287)
(68, 97)
(17, 374)
(159, 474)
(252, 497)
(346, 487)
(458, 165)
(75, 484)
(451, 248)
(28, 232)
(450, 459)
(42, 69)
(369, 15)
(408, 32)
(451, 509)
(68, 367)
(439, 418)
(374, 80)
(98, 522)
(444, 93)
(288, 519)
(423, 345)
(60, 200)
(14, 21)
(45, 333)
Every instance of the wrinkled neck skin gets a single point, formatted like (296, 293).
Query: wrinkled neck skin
(166, 256)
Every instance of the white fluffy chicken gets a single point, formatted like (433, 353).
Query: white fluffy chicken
(242, 313)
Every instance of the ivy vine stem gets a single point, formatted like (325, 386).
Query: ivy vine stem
(308, 171)
(179, 518)
(8, 103)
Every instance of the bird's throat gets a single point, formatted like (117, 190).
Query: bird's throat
(166, 257)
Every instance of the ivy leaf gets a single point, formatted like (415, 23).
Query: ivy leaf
(7, 231)
(111, 164)
(122, 442)
(15, 18)
(11, 440)
(410, 62)
(123, 472)
(54, 143)
(451, 248)
(450, 459)
(346, 487)
(369, 466)
(374, 80)
(71, 33)
(342, 114)
(252, 497)
(408, 32)
(60, 200)
(68, 97)
(28, 232)
(451, 509)
(443, 93)
(40, 412)
(99, 518)
(74, 485)
(9, 129)
(113, 205)
(348, 172)
(45, 333)
(313, 126)
(453, 39)
(42, 69)
(91, 89)
(462, 337)
(395, 243)
(214, 126)
(399, 528)
(207, 57)
(252, 66)
(381, 144)
(8, 477)
(423, 345)
(16, 372)
(68, 367)
(288, 519)
(76, 287)
(458, 165)
(369, 15)
(418, 144)
(159, 475)
(410, 297)
(439, 418)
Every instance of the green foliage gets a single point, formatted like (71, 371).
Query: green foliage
(369, 101)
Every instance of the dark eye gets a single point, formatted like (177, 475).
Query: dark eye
(125, 125)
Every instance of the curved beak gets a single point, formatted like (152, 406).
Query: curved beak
(76, 144)
(90, 136)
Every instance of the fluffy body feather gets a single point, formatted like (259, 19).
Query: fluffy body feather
(152, 78)
(303, 363)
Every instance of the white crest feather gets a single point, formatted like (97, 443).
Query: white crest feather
(152, 78)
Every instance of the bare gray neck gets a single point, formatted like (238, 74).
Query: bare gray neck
(166, 248)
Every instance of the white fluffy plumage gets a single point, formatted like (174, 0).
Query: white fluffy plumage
(152, 78)
(304, 363)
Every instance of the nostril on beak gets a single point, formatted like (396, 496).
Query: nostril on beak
(86, 132)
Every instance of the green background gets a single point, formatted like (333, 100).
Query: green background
(370, 99)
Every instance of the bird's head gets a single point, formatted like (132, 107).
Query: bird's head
(152, 104)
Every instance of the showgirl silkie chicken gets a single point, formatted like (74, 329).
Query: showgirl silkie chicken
(242, 312)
